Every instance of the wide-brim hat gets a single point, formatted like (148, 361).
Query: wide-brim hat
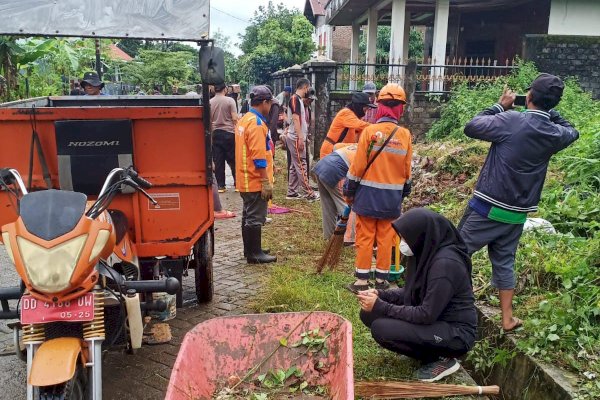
(92, 79)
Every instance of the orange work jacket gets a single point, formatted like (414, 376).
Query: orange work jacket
(378, 192)
(252, 151)
(345, 119)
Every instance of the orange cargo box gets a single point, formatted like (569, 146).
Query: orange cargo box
(82, 138)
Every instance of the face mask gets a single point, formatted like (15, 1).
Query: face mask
(404, 249)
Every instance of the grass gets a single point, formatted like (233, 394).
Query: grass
(293, 284)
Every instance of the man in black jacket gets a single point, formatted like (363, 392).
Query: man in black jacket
(511, 180)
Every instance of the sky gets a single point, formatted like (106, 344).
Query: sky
(232, 16)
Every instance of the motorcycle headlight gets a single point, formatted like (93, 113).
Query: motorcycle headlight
(99, 244)
(50, 270)
(6, 240)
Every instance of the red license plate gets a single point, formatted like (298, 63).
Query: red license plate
(34, 311)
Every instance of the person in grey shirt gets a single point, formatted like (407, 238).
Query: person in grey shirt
(224, 116)
(298, 184)
(511, 180)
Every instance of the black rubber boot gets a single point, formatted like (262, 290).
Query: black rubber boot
(253, 235)
(244, 238)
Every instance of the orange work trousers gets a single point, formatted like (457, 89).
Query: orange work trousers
(368, 231)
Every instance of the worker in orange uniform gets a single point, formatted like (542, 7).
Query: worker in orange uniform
(254, 167)
(347, 124)
(378, 180)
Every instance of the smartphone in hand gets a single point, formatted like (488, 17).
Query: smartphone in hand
(520, 100)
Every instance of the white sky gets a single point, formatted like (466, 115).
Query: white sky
(240, 12)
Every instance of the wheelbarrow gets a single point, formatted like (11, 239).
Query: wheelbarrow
(253, 352)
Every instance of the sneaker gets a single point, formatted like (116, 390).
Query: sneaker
(314, 196)
(267, 220)
(437, 370)
(222, 189)
(382, 285)
(357, 288)
(294, 196)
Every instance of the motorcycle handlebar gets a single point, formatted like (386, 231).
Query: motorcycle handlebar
(6, 175)
(144, 184)
(170, 285)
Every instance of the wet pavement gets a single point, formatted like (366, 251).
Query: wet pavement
(145, 375)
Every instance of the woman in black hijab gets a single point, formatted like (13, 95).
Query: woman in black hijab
(432, 318)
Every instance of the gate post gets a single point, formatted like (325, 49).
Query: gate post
(319, 71)
(410, 86)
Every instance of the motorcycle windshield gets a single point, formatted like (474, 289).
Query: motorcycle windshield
(49, 214)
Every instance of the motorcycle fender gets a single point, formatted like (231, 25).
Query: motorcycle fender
(55, 361)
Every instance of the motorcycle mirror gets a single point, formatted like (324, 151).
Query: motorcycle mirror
(212, 65)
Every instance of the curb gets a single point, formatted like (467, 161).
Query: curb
(523, 377)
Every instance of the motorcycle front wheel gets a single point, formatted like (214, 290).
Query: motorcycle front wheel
(74, 389)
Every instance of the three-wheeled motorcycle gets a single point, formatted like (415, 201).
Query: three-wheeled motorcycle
(104, 201)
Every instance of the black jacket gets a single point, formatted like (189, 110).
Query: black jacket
(513, 175)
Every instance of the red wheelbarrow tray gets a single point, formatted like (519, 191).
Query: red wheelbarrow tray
(223, 347)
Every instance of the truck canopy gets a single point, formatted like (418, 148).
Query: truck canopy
(140, 19)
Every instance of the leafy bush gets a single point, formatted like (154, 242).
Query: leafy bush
(557, 274)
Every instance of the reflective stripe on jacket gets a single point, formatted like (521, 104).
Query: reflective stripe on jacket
(252, 150)
(379, 193)
(344, 119)
(333, 168)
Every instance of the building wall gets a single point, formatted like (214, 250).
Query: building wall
(498, 34)
(575, 17)
(422, 114)
(341, 43)
(566, 56)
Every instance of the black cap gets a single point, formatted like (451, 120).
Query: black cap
(548, 85)
(261, 93)
(362, 98)
(91, 78)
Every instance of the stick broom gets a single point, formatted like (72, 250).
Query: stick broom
(336, 242)
(414, 390)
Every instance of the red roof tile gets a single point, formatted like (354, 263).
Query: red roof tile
(118, 54)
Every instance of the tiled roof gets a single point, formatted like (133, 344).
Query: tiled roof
(317, 6)
(118, 54)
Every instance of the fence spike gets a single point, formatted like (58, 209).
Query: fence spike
(513, 62)
(454, 60)
(447, 60)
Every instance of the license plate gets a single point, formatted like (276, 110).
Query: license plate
(34, 311)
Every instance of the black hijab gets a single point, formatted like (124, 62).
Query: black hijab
(358, 109)
(431, 237)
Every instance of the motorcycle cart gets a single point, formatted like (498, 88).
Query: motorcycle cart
(72, 143)
(289, 352)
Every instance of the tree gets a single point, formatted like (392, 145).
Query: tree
(384, 34)
(277, 37)
(153, 67)
(223, 41)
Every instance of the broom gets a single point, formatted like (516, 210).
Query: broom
(335, 244)
(415, 390)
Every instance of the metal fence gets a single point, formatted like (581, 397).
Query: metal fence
(430, 76)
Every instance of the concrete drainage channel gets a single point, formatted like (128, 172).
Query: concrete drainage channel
(522, 377)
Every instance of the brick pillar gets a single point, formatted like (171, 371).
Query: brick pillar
(320, 71)
(410, 86)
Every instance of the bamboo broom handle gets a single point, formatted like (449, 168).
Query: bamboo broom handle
(486, 389)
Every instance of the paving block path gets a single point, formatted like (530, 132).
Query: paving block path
(145, 375)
